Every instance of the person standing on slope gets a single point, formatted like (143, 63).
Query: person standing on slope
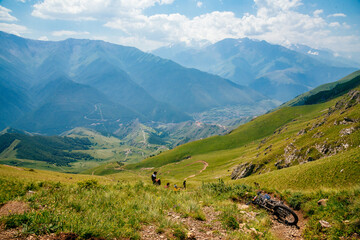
(155, 180)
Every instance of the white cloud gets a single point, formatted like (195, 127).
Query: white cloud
(43, 38)
(13, 28)
(334, 24)
(274, 21)
(318, 12)
(90, 9)
(68, 33)
(5, 15)
(337, 15)
(283, 5)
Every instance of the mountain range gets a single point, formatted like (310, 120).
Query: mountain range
(50, 87)
(273, 70)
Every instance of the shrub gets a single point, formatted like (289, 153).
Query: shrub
(88, 184)
(179, 234)
(296, 200)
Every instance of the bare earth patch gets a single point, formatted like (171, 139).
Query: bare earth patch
(14, 207)
(9, 234)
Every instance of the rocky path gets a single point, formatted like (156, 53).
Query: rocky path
(282, 231)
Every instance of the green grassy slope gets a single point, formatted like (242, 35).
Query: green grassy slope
(339, 171)
(299, 147)
(327, 91)
(51, 149)
(257, 129)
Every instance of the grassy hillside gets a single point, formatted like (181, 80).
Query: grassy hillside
(74, 152)
(339, 171)
(53, 150)
(327, 91)
(290, 136)
(255, 130)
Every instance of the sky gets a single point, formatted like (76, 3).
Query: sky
(150, 24)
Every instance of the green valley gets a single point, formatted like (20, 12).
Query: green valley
(306, 155)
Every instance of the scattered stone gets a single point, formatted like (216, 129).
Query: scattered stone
(318, 124)
(318, 135)
(242, 170)
(346, 121)
(242, 206)
(242, 225)
(253, 230)
(191, 236)
(322, 202)
(301, 132)
(324, 224)
(347, 131)
(322, 148)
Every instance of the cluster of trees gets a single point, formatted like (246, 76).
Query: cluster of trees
(52, 149)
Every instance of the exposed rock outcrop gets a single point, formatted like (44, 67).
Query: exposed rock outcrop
(354, 98)
(244, 170)
(291, 154)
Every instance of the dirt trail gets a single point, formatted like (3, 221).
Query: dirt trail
(286, 232)
(211, 228)
(200, 161)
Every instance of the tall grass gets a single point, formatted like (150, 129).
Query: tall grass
(120, 210)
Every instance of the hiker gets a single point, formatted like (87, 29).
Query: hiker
(155, 180)
(153, 177)
(184, 184)
(167, 185)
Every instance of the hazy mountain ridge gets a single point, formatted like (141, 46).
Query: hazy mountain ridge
(144, 86)
(273, 70)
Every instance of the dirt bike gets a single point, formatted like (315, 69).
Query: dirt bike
(282, 212)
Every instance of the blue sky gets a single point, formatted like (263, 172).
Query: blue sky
(149, 24)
